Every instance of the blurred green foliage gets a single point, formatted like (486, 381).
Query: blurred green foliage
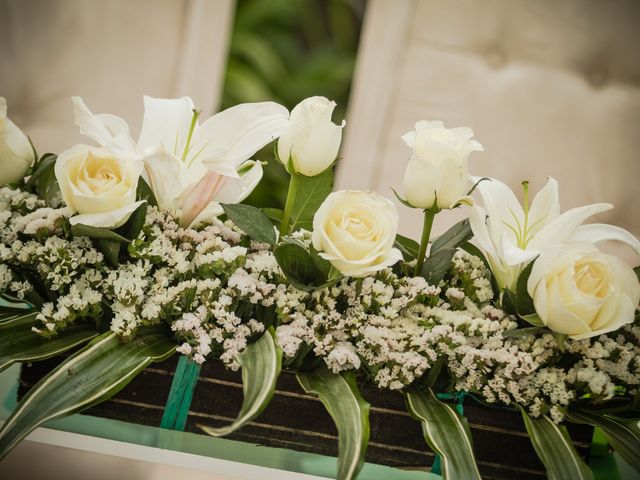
(285, 51)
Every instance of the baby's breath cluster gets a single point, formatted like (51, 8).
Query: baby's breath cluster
(216, 291)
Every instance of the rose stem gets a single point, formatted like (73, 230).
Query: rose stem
(429, 215)
(288, 206)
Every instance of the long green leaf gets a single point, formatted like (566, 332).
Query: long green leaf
(454, 237)
(555, 449)
(350, 413)
(261, 363)
(310, 194)
(622, 434)
(90, 376)
(18, 343)
(445, 431)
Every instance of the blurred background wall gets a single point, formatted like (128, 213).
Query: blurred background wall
(550, 88)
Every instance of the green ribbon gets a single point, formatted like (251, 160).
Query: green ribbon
(184, 383)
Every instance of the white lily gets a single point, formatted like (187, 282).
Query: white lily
(191, 167)
(512, 235)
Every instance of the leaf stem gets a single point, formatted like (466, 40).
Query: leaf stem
(288, 206)
(429, 215)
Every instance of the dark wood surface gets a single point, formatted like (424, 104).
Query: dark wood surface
(299, 421)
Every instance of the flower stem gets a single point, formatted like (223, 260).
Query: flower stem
(429, 215)
(288, 206)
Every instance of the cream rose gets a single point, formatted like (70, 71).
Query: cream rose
(437, 170)
(98, 184)
(355, 231)
(16, 153)
(581, 292)
(311, 139)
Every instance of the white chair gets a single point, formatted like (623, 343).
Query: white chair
(550, 88)
(110, 53)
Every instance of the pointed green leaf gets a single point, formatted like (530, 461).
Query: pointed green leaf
(133, 226)
(555, 449)
(446, 432)
(90, 376)
(350, 413)
(402, 200)
(252, 221)
(298, 266)
(274, 214)
(408, 247)
(80, 230)
(622, 434)
(44, 180)
(453, 238)
(437, 265)
(18, 343)
(261, 363)
(144, 192)
(310, 193)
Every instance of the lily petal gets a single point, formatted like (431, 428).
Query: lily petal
(563, 227)
(166, 122)
(105, 129)
(198, 196)
(501, 205)
(163, 172)
(235, 190)
(240, 131)
(598, 232)
(112, 219)
(545, 207)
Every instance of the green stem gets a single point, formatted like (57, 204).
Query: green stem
(429, 215)
(288, 206)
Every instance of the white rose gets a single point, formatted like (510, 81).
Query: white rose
(437, 169)
(355, 231)
(99, 184)
(311, 139)
(16, 153)
(581, 292)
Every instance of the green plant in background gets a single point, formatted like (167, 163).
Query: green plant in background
(287, 50)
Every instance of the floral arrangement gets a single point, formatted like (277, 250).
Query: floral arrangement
(127, 252)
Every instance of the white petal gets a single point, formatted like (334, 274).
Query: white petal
(104, 129)
(501, 205)
(512, 255)
(112, 219)
(563, 227)
(598, 232)
(545, 207)
(164, 174)
(166, 123)
(235, 190)
(208, 214)
(239, 132)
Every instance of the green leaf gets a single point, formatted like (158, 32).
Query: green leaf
(274, 214)
(310, 193)
(261, 363)
(555, 449)
(88, 377)
(442, 251)
(12, 305)
(18, 343)
(144, 192)
(407, 246)
(132, 228)
(446, 432)
(350, 412)
(453, 238)
(437, 265)
(43, 179)
(110, 249)
(622, 434)
(252, 221)
(80, 230)
(637, 271)
(299, 266)
(524, 302)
